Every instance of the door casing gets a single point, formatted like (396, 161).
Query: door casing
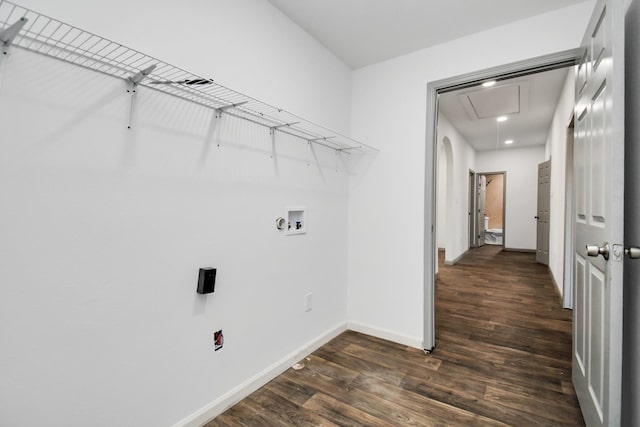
(521, 68)
(567, 293)
(473, 239)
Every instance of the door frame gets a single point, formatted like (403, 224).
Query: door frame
(516, 69)
(569, 214)
(473, 239)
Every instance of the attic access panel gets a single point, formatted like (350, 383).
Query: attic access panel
(504, 100)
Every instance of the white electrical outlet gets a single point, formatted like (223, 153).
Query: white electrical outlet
(308, 301)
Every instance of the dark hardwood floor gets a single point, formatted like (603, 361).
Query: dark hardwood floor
(503, 357)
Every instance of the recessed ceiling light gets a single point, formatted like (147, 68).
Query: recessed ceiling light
(489, 84)
(509, 141)
(502, 119)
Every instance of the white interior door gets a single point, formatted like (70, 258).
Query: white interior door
(599, 174)
(542, 216)
(482, 208)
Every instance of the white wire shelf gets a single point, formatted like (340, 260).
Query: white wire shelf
(30, 30)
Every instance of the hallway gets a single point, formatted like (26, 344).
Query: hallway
(501, 327)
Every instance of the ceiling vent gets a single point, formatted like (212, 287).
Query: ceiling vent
(489, 103)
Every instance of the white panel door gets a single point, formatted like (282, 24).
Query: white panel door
(542, 217)
(599, 181)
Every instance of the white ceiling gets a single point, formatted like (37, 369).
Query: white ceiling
(528, 102)
(364, 32)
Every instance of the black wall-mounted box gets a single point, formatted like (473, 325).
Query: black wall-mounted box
(206, 280)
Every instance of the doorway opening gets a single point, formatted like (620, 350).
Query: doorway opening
(491, 221)
(445, 191)
(562, 60)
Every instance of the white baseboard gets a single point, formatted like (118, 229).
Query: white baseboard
(529, 251)
(455, 261)
(385, 334)
(557, 287)
(229, 399)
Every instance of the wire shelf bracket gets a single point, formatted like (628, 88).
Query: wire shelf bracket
(8, 34)
(27, 29)
(134, 81)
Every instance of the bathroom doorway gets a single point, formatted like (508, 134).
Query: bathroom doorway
(492, 219)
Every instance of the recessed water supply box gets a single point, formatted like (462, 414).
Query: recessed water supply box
(296, 221)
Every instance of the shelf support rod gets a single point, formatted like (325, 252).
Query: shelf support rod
(272, 129)
(222, 109)
(326, 138)
(8, 34)
(134, 80)
(273, 144)
(319, 141)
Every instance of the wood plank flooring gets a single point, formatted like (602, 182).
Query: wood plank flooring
(503, 357)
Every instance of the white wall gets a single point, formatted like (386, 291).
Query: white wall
(455, 198)
(386, 280)
(556, 147)
(103, 229)
(521, 165)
